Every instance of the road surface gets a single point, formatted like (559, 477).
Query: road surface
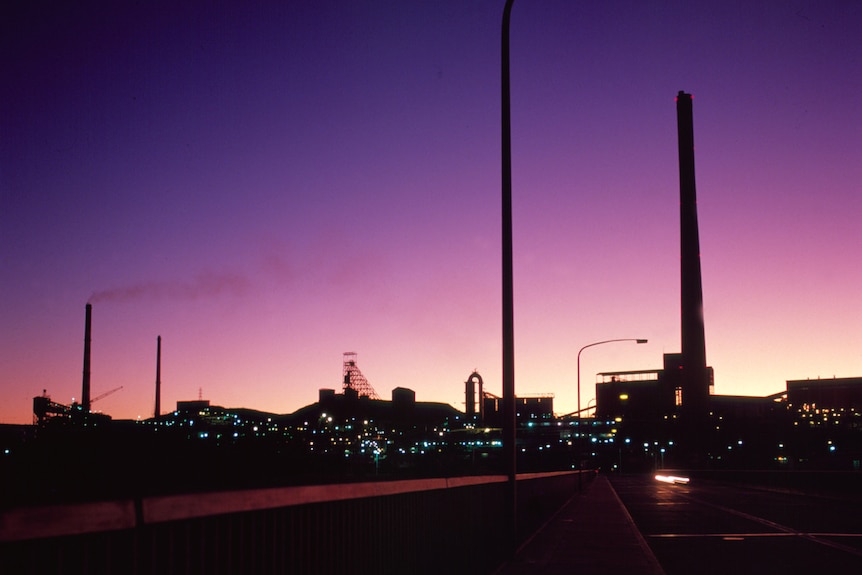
(709, 527)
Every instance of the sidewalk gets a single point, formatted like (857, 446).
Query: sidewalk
(592, 533)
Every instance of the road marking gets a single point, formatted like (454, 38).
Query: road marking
(729, 536)
(740, 536)
(783, 529)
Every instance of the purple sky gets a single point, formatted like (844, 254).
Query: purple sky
(268, 185)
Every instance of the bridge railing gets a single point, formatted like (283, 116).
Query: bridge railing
(453, 524)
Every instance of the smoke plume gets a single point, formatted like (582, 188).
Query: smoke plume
(204, 285)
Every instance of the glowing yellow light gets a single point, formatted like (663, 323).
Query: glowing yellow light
(624, 396)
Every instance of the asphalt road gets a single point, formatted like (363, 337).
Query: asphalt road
(709, 527)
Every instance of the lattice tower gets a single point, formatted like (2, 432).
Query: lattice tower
(353, 378)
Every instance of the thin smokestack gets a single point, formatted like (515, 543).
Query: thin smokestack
(158, 410)
(695, 378)
(85, 387)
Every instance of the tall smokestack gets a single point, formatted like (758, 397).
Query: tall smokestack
(694, 377)
(158, 410)
(85, 387)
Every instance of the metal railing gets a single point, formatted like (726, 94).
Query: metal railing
(416, 526)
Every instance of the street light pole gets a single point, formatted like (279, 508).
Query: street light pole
(636, 340)
(509, 423)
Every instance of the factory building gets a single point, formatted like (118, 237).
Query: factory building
(532, 408)
(649, 395)
(826, 402)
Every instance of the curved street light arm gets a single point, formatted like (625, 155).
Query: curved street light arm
(636, 340)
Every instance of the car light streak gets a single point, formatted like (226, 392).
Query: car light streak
(672, 479)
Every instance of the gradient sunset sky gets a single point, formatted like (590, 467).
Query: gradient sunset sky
(268, 185)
